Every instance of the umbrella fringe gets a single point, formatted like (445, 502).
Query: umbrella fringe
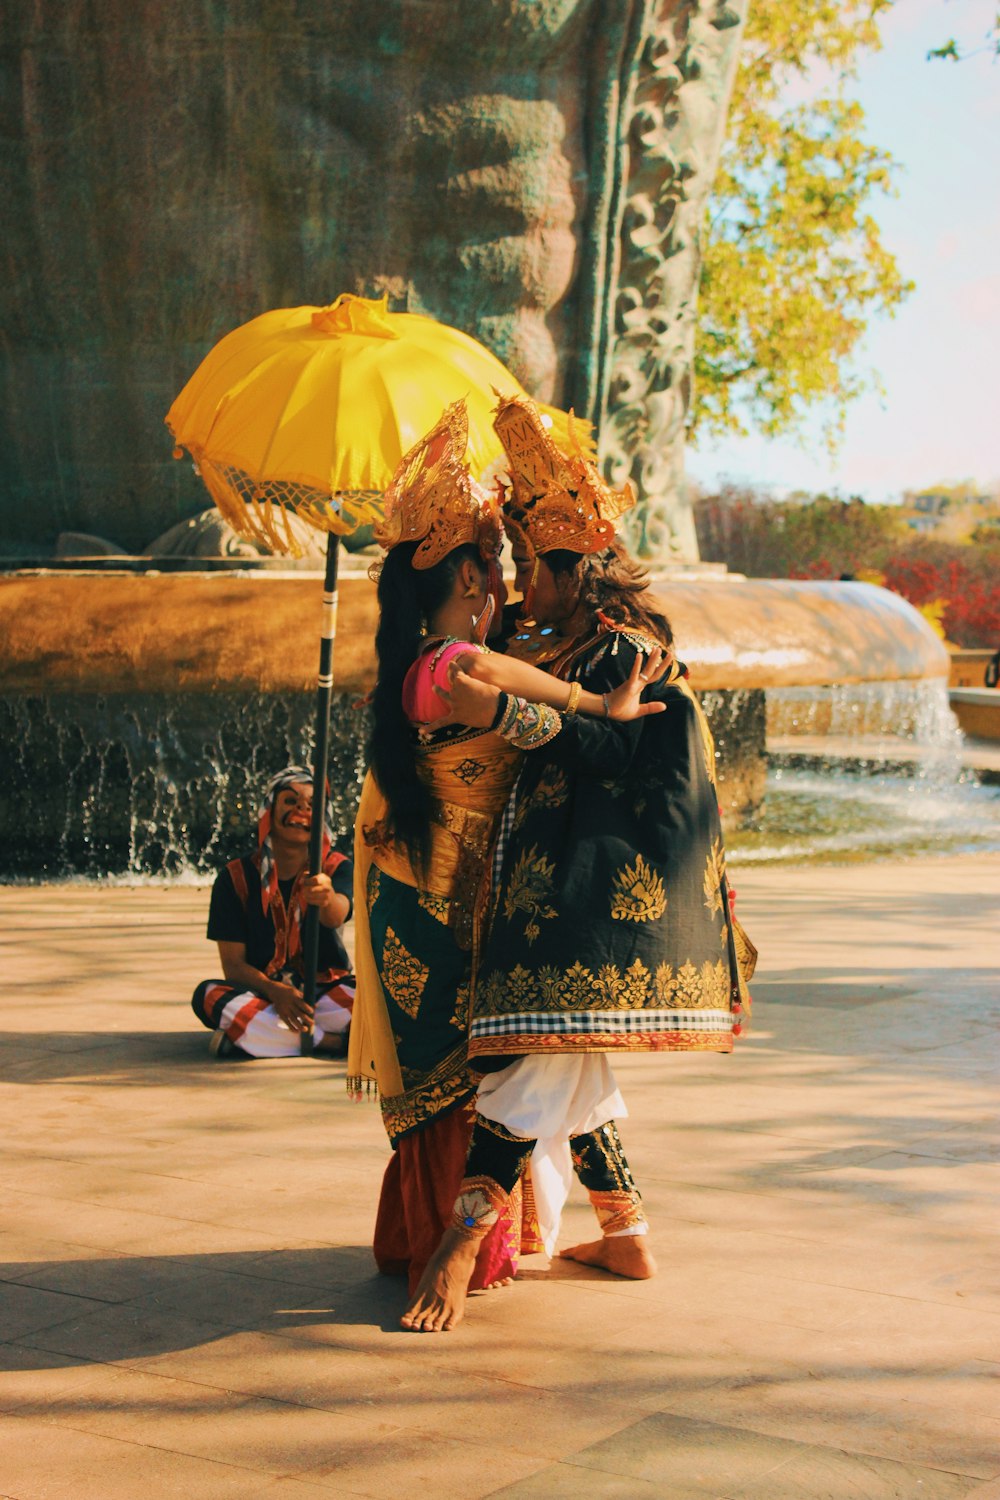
(261, 511)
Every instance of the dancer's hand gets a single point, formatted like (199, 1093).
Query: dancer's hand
(468, 701)
(625, 702)
(317, 889)
(472, 702)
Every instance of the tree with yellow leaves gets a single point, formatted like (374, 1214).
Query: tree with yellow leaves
(794, 264)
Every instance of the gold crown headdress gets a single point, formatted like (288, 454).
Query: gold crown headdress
(433, 499)
(554, 500)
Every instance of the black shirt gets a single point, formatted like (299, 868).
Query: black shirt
(230, 921)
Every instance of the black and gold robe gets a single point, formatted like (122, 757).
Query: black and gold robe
(611, 926)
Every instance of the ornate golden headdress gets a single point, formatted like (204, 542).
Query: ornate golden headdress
(433, 499)
(554, 500)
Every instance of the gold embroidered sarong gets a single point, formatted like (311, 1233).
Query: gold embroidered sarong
(471, 779)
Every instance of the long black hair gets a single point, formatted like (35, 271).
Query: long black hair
(614, 585)
(407, 597)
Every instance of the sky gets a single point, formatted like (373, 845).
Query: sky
(938, 417)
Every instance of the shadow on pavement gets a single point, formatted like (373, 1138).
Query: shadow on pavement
(132, 1058)
(138, 1307)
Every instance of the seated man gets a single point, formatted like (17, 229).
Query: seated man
(256, 917)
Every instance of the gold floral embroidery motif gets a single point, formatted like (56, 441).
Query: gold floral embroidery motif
(374, 885)
(549, 984)
(708, 985)
(715, 869)
(634, 984)
(426, 1095)
(638, 894)
(460, 1015)
(607, 985)
(663, 983)
(551, 791)
(528, 891)
(438, 906)
(577, 986)
(691, 987)
(518, 987)
(404, 975)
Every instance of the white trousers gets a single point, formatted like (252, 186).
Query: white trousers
(547, 1099)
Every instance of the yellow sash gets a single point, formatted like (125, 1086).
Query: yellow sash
(371, 1051)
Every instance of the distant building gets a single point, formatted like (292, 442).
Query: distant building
(932, 505)
(952, 513)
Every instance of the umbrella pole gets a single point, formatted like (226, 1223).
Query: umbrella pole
(324, 698)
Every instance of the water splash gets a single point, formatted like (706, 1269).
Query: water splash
(873, 721)
(867, 771)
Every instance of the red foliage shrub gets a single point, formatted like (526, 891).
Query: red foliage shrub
(966, 577)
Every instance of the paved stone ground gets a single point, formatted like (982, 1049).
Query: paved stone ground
(189, 1306)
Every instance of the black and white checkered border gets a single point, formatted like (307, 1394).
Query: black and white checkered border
(504, 829)
(545, 1023)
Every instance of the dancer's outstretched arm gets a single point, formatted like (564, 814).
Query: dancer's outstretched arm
(506, 675)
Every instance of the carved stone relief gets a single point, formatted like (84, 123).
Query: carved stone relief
(682, 85)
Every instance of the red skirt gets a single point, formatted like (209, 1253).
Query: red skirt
(419, 1190)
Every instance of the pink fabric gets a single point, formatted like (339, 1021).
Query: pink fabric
(421, 704)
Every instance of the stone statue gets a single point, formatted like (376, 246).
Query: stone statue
(534, 171)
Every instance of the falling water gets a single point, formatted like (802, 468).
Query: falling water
(149, 786)
(873, 770)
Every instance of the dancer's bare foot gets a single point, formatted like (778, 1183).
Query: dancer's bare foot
(625, 1255)
(439, 1301)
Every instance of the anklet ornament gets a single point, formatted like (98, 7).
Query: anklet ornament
(477, 1207)
(617, 1211)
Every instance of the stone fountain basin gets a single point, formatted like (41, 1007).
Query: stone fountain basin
(256, 630)
(142, 707)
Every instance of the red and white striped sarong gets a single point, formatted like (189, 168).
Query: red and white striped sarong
(254, 1025)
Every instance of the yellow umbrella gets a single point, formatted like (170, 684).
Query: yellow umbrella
(310, 409)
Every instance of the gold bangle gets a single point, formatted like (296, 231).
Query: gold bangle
(573, 701)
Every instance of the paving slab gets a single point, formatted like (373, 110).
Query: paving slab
(188, 1302)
